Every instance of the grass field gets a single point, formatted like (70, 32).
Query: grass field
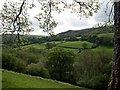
(37, 46)
(17, 80)
(105, 49)
(68, 45)
(106, 35)
(75, 44)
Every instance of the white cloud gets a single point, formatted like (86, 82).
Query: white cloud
(100, 16)
(72, 21)
(38, 31)
(66, 21)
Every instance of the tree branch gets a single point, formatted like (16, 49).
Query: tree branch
(21, 8)
(18, 24)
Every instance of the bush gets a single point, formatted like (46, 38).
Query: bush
(105, 40)
(10, 62)
(84, 45)
(20, 66)
(100, 81)
(93, 69)
(37, 70)
(26, 56)
(60, 64)
(34, 50)
(50, 45)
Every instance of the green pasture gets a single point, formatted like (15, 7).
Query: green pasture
(106, 35)
(75, 44)
(18, 80)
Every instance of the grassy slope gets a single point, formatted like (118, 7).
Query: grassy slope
(76, 44)
(38, 46)
(64, 44)
(106, 35)
(109, 50)
(18, 80)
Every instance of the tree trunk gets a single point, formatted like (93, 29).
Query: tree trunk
(115, 79)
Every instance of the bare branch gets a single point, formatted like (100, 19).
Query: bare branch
(110, 14)
(21, 8)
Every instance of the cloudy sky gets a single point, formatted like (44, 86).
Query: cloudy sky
(68, 21)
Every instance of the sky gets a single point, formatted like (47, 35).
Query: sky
(68, 21)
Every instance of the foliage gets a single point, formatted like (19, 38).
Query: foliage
(26, 56)
(8, 15)
(12, 63)
(37, 70)
(46, 20)
(50, 45)
(71, 38)
(20, 66)
(84, 45)
(106, 39)
(60, 64)
(89, 69)
(93, 69)
(16, 19)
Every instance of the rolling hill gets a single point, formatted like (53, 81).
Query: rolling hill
(87, 31)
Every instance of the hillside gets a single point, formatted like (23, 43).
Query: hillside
(110, 35)
(93, 55)
(77, 32)
(18, 80)
(70, 35)
(87, 31)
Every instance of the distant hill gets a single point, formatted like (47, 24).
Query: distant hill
(76, 33)
(8, 38)
(68, 35)
(13, 36)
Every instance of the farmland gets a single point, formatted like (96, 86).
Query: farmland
(91, 62)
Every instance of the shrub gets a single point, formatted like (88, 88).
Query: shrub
(33, 50)
(50, 45)
(10, 62)
(84, 45)
(99, 81)
(93, 69)
(105, 40)
(20, 66)
(26, 56)
(37, 70)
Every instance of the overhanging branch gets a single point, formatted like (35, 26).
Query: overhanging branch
(15, 20)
